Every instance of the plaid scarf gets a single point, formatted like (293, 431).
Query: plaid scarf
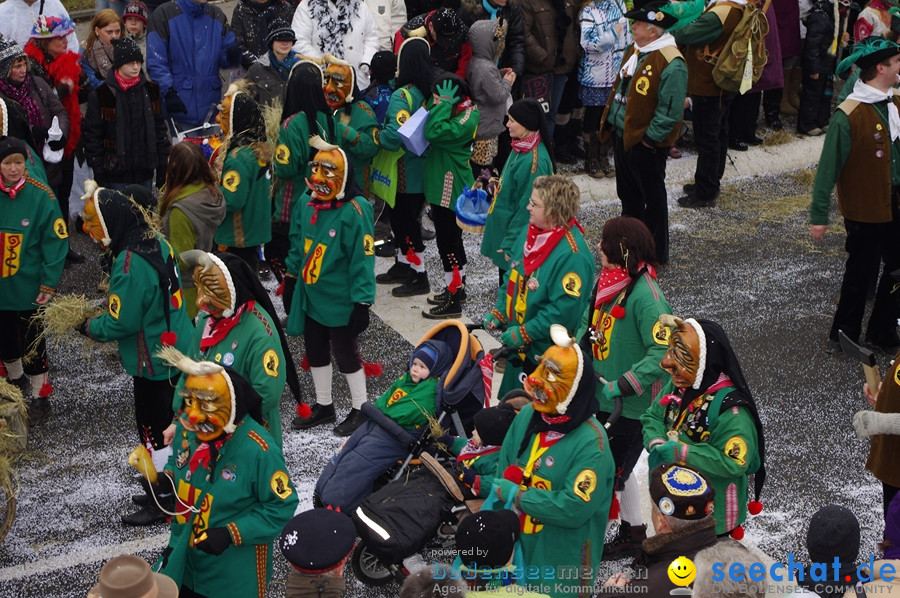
(22, 94)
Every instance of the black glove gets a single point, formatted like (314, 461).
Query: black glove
(83, 328)
(174, 105)
(233, 55)
(287, 296)
(359, 318)
(57, 145)
(468, 477)
(40, 133)
(214, 540)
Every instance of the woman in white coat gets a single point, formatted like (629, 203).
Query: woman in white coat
(343, 28)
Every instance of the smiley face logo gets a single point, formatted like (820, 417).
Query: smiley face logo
(682, 571)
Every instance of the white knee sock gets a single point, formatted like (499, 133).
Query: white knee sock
(322, 382)
(630, 502)
(14, 369)
(357, 383)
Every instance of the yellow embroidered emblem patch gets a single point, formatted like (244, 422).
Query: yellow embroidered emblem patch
(10, 253)
(368, 245)
(398, 394)
(571, 284)
(270, 363)
(231, 180)
(282, 154)
(642, 85)
(281, 485)
(115, 305)
(314, 264)
(59, 227)
(736, 449)
(661, 334)
(585, 484)
(402, 117)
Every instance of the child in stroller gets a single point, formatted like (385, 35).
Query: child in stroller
(443, 372)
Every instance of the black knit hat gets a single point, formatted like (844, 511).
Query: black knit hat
(317, 540)
(529, 113)
(280, 31)
(492, 423)
(486, 539)
(10, 146)
(125, 50)
(681, 492)
(833, 532)
(9, 52)
(383, 66)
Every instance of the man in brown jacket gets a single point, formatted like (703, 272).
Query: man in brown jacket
(710, 104)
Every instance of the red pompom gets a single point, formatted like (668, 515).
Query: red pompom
(738, 533)
(304, 364)
(618, 312)
(280, 290)
(373, 370)
(754, 507)
(412, 258)
(513, 473)
(46, 390)
(168, 338)
(304, 411)
(614, 508)
(455, 280)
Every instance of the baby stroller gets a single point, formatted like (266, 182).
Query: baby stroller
(391, 530)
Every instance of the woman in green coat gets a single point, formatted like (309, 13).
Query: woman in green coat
(450, 130)
(530, 158)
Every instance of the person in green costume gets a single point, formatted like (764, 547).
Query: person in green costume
(305, 113)
(530, 158)
(355, 122)
(450, 130)
(144, 311)
(333, 255)
(233, 488)
(236, 328)
(627, 342)
(245, 181)
(33, 248)
(556, 471)
(707, 419)
(550, 265)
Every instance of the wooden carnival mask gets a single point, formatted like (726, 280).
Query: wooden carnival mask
(208, 405)
(338, 87)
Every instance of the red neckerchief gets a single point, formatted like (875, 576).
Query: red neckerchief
(127, 84)
(615, 278)
(202, 455)
(526, 144)
(318, 204)
(218, 328)
(11, 191)
(540, 244)
(470, 451)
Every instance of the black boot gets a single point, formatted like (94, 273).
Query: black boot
(442, 296)
(150, 513)
(417, 284)
(399, 272)
(576, 140)
(561, 145)
(38, 411)
(321, 414)
(450, 308)
(626, 542)
(354, 419)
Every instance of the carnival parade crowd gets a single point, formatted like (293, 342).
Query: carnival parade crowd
(301, 140)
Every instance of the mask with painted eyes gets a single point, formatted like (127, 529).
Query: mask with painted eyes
(683, 357)
(213, 295)
(338, 85)
(207, 405)
(328, 175)
(551, 383)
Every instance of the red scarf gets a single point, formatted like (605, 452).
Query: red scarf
(11, 191)
(540, 243)
(526, 144)
(126, 84)
(615, 278)
(218, 328)
(202, 455)
(318, 204)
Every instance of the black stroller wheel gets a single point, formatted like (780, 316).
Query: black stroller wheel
(368, 568)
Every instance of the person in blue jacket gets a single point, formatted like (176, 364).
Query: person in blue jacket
(189, 41)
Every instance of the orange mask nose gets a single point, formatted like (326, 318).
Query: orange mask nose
(534, 382)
